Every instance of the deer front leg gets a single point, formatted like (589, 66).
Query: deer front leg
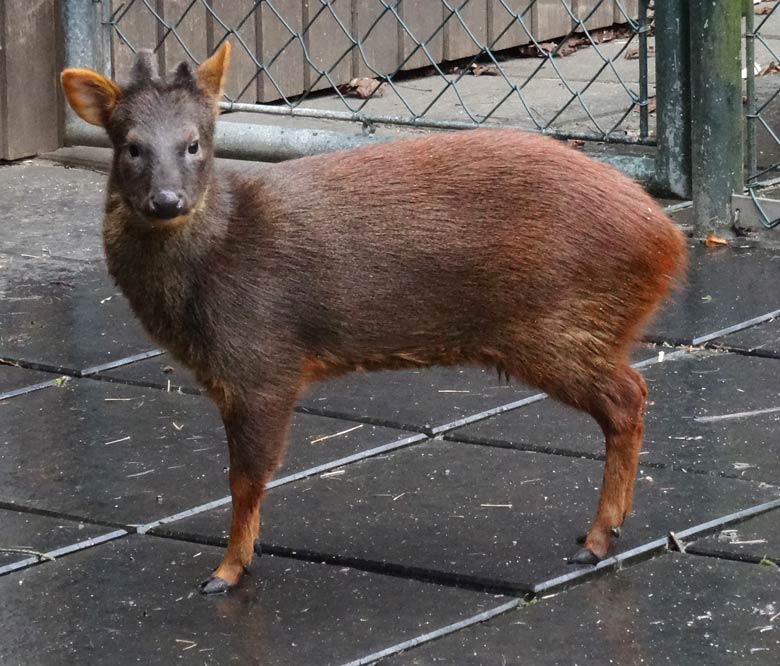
(256, 428)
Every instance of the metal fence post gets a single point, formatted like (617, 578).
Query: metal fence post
(716, 112)
(81, 27)
(81, 46)
(673, 90)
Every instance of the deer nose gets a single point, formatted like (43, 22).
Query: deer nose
(167, 204)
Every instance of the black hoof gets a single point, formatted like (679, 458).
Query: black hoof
(585, 556)
(258, 549)
(214, 585)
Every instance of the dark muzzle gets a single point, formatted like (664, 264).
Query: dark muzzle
(167, 204)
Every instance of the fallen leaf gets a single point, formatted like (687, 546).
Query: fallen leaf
(771, 68)
(651, 105)
(714, 241)
(363, 88)
(762, 8)
(480, 70)
(633, 54)
(571, 45)
(576, 143)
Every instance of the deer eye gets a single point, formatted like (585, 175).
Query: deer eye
(133, 150)
(192, 149)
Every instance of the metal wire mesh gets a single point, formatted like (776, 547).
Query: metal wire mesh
(576, 68)
(762, 101)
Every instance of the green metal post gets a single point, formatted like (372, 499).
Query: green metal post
(673, 96)
(750, 91)
(716, 112)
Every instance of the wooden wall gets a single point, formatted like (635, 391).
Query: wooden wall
(31, 46)
(30, 103)
(387, 46)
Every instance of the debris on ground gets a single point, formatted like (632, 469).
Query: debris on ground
(362, 88)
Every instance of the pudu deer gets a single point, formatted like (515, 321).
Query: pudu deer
(492, 247)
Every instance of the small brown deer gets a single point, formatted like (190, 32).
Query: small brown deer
(492, 247)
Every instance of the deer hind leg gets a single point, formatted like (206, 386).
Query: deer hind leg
(617, 404)
(257, 435)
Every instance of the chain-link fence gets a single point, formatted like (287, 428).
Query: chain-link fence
(572, 68)
(762, 103)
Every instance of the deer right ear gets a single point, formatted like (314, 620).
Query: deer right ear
(92, 96)
(211, 73)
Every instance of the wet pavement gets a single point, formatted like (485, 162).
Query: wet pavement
(421, 517)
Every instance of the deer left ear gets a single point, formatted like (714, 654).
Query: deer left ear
(211, 73)
(92, 96)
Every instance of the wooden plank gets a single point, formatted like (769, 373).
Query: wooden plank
(504, 29)
(139, 28)
(279, 50)
(457, 42)
(241, 79)
(190, 21)
(422, 19)
(631, 7)
(600, 14)
(551, 20)
(29, 78)
(380, 41)
(328, 43)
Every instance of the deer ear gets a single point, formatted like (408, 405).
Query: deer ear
(92, 96)
(211, 73)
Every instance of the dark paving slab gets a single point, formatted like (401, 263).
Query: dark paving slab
(685, 392)
(674, 609)
(503, 518)
(14, 379)
(422, 399)
(724, 287)
(754, 540)
(66, 316)
(159, 372)
(411, 399)
(28, 531)
(760, 340)
(46, 209)
(128, 455)
(135, 599)
(425, 399)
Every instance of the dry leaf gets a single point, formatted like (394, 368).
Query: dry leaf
(762, 8)
(571, 45)
(771, 68)
(576, 143)
(714, 241)
(363, 88)
(631, 54)
(651, 105)
(480, 70)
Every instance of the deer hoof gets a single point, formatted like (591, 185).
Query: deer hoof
(214, 585)
(258, 549)
(585, 556)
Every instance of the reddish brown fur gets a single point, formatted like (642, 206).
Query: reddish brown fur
(491, 247)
